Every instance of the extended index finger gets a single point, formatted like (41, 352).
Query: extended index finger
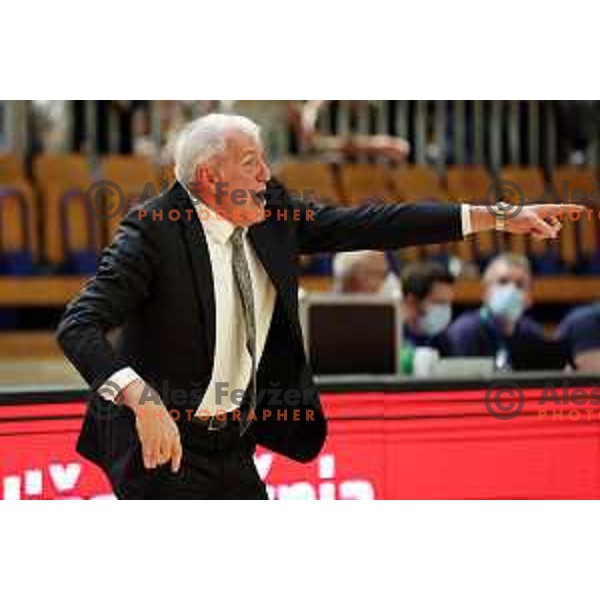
(558, 210)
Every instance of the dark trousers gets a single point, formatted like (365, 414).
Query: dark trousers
(216, 465)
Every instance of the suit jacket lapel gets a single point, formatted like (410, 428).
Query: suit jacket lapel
(263, 238)
(273, 244)
(276, 255)
(195, 241)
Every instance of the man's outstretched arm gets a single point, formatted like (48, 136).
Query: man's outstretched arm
(324, 228)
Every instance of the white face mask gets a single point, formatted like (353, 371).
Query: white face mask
(436, 318)
(507, 300)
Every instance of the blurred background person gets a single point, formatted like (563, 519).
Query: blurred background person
(578, 122)
(363, 272)
(278, 121)
(499, 328)
(427, 296)
(579, 332)
(172, 117)
(347, 130)
(47, 131)
(113, 123)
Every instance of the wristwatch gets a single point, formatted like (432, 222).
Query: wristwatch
(502, 212)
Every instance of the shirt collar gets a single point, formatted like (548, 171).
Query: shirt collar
(217, 227)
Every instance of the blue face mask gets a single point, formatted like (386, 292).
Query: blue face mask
(436, 318)
(507, 301)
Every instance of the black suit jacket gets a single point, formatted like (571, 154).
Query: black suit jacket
(154, 282)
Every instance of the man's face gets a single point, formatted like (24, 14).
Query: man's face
(234, 183)
(505, 274)
(441, 294)
(368, 276)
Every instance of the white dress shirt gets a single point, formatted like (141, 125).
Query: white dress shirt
(232, 363)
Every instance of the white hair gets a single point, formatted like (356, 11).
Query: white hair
(345, 263)
(206, 138)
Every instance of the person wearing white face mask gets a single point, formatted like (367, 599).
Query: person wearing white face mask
(499, 328)
(428, 292)
(427, 296)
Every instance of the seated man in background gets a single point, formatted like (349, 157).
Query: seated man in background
(499, 328)
(363, 272)
(428, 293)
(579, 332)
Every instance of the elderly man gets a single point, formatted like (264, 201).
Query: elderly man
(500, 328)
(364, 272)
(203, 282)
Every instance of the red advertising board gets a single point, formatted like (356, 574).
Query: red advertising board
(397, 444)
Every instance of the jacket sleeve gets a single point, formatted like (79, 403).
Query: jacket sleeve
(375, 226)
(124, 278)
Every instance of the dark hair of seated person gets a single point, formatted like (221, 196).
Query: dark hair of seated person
(419, 278)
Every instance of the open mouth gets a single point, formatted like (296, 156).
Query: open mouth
(260, 197)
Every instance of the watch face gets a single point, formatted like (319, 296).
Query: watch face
(504, 206)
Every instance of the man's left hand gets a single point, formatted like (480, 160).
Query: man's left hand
(543, 221)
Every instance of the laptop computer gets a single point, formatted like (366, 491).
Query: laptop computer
(351, 334)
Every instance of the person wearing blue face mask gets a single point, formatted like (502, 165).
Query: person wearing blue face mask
(428, 292)
(499, 328)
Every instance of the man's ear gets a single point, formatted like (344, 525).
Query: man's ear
(411, 301)
(410, 305)
(486, 294)
(211, 173)
(199, 183)
(209, 176)
(202, 174)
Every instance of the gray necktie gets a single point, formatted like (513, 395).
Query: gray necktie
(241, 275)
